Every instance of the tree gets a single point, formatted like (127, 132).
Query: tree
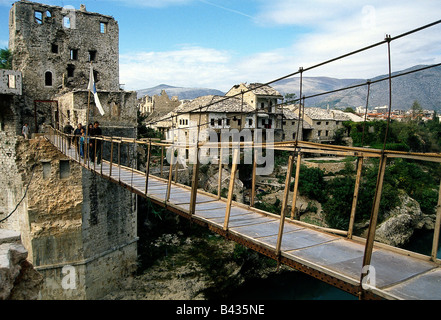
(417, 111)
(5, 59)
(349, 109)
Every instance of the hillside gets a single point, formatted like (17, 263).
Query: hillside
(182, 93)
(423, 86)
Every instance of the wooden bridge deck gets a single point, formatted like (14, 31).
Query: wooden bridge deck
(331, 258)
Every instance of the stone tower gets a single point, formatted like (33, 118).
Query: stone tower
(53, 48)
(79, 229)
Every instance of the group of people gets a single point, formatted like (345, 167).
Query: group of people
(84, 141)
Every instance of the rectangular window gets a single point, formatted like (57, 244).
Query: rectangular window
(70, 70)
(103, 27)
(38, 15)
(228, 122)
(250, 122)
(239, 122)
(92, 55)
(73, 54)
(319, 133)
(64, 169)
(212, 122)
(46, 169)
(219, 122)
(66, 22)
(11, 81)
(54, 48)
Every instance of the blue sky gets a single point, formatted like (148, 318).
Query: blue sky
(217, 44)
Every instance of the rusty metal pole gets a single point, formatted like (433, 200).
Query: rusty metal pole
(284, 204)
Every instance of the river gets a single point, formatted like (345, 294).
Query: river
(289, 286)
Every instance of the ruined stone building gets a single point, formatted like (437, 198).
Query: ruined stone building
(158, 105)
(69, 218)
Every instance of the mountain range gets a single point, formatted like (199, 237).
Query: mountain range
(182, 93)
(422, 86)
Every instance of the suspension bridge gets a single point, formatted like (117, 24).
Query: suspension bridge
(360, 266)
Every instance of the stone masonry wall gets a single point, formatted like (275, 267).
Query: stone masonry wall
(55, 56)
(73, 219)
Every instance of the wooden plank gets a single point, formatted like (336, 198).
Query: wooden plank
(426, 286)
(392, 268)
(269, 228)
(299, 239)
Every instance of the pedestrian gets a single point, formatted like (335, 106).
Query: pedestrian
(25, 131)
(89, 146)
(77, 136)
(68, 131)
(82, 141)
(96, 148)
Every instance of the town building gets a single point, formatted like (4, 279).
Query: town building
(324, 123)
(264, 99)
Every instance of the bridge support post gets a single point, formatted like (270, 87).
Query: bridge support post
(253, 180)
(147, 167)
(373, 220)
(236, 159)
(170, 172)
(284, 204)
(437, 227)
(111, 157)
(355, 197)
(219, 175)
(194, 183)
(296, 187)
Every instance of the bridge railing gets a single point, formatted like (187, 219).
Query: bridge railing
(296, 149)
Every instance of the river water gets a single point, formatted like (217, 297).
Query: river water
(299, 286)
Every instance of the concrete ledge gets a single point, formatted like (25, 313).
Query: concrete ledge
(9, 236)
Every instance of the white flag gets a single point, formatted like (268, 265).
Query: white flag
(92, 88)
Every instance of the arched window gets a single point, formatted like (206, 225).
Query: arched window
(48, 79)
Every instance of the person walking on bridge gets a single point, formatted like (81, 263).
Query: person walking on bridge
(95, 143)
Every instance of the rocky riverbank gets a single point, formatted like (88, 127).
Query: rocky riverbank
(187, 262)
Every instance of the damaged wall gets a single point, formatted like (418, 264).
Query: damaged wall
(74, 219)
(53, 47)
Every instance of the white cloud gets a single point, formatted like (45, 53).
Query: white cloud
(188, 66)
(334, 29)
(330, 29)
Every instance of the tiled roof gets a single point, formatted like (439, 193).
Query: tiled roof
(324, 114)
(213, 103)
(263, 89)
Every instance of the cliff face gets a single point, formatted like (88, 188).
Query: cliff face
(18, 278)
(402, 221)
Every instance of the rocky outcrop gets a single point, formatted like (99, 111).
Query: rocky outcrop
(401, 222)
(18, 278)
